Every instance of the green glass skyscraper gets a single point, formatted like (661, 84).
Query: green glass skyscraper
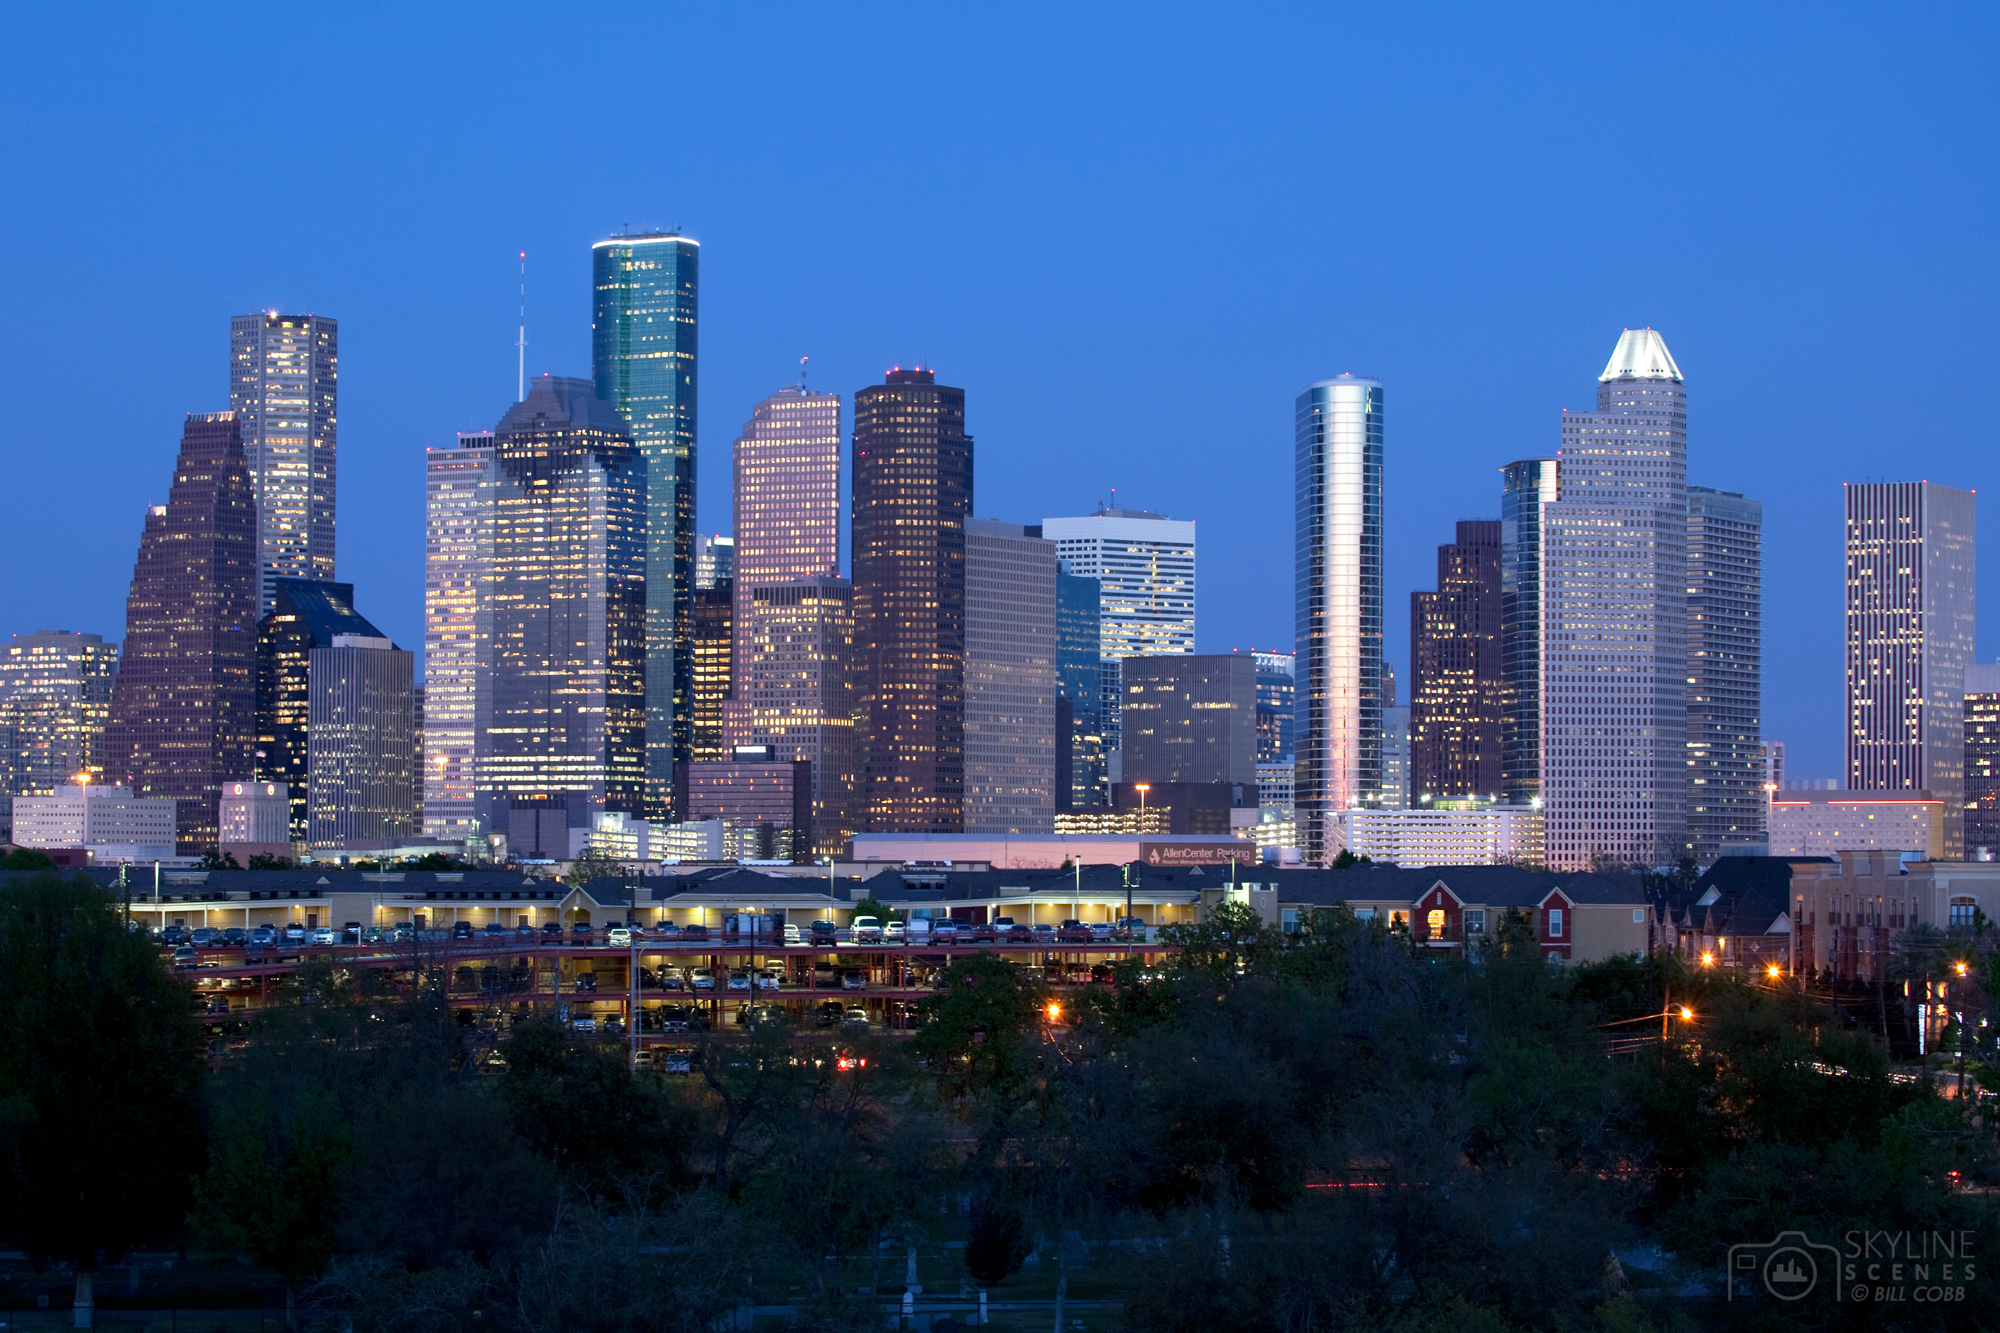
(646, 290)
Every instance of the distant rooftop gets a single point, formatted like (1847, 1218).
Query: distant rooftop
(1641, 354)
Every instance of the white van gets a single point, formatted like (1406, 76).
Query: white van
(917, 930)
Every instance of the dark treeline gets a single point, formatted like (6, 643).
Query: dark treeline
(1322, 1130)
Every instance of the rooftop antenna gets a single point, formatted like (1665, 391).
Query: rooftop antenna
(802, 372)
(521, 343)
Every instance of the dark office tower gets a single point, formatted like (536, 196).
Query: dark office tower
(1525, 487)
(912, 495)
(643, 341)
(184, 706)
(1277, 696)
(714, 673)
(568, 738)
(1458, 680)
(1080, 772)
(1982, 761)
(1725, 615)
(305, 615)
(1191, 718)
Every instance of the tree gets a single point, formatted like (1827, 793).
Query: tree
(978, 1032)
(27, 858)
(574, 1100)
(875, 907)
(595, 863)
(100, 1069)
(214, 858)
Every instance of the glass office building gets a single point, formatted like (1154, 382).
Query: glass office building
(1526, 486)
(458, 632)
(1081, 777)
(643, 343)
(284, 374)
(1725, 747)
(55, 698)
(1338, 606)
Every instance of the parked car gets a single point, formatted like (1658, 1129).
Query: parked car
(294, 933)
(944, 930)
(580, 933)
(586, 981)
(867, 930)
(895, 932)
(853, 979)
(829, 1013)
(618, 937)
(694, 932)
(823, 933)
(494, 930)
(403, 933)
(768, 979)
(325, 935)
(701, 978)
(173, 935)
(1073, 931)
(235, 937)
(184, 958)
(1103, 972)
(792, 934)
(263, 935)
(676, 1062)
(855, 1017)
(584, 1023)
(1016, 933)
(1100, 931)
(739, 979)
(673, 1018)
(203, 937)
(917, 930)
(671, 978)
(1130, 928)
(987, 932)
(666, 930)
(614, 1023)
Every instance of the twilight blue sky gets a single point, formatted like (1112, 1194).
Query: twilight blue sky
(1132, 233)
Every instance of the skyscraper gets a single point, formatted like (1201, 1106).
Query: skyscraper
(184, 706)
(1082, 780)
(1909, 640)
(1526, 487)
(1338, 606)
(1614, 620)
(912, 495)
(715, 654)
(1982, 761)
(1010, 679)
(360, 741)
(714, 561)
(800, 688)
(1277, 697)
(1191, 718)
(643, 343)
(567, 740)
(283, 386)
(305, 616)
(460, 489)
(55, 699)
(1458, 677)
(1725, 617)
(1144, 565)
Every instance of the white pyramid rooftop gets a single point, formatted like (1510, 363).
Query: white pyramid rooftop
(1641, 354)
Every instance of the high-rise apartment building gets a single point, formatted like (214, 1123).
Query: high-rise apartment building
(284, 379)
(1614, 620)
(800, 694)
(715, 653)
(714, 560)
(643, 344)
(1725, 618)
(1277, 697)
(1144, 564)
(568, 734)
(183, 709)
(1010, 679)
(1982, 761)
(360, 741)
(912, 495)
(305, 616)
(1191, 718)
(1526, 486)
(55, 699)
(460, 485)
(1338, 606)
(1458, 677)
(1082, 780)
(1909, 641)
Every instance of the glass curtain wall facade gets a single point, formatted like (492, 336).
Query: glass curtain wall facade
(284, 379)
(801, 696)
(1010, 679)
(183, 710)
(1338, 616)
(568, 734)
(1982, 762)
(362, 743)
(715, 654)
(1614, 620)
(1458, 677)
(55, 700)
(1277, 697)
(643, 344)
(305, 616)
(1526, 486)
(1082, 781)
(1725, 617)
(1909, 640)
(912, 495)
(459, 489)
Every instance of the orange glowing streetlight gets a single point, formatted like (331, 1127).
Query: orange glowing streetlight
(1054, 1011)
(1142, 788)
(1708, 960)
(1960, 965)
(1772, 971)
(1686, 1013)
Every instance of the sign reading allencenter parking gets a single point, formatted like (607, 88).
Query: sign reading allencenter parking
(1193, 853)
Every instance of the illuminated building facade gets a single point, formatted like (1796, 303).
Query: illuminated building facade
(912, 495)
(1614, 621)
(1277, 697)
(765, 804)
(1458, 679)
(714, 654)
(305, 616)
(568, 734)
(361, 741)
(1909, 641)
(55, 699)
(1082, 780)
(714, 560)
(643, 345)
(1982, 761)
(1725, 618)
(183, 709)
(1010, 679)
(800, 697)
(1526, 486)
(284, 378)
(1191, 718)
(1337, 616)
(459, 490)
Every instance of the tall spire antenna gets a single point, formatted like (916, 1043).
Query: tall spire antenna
(802, 371)
(521, 343)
